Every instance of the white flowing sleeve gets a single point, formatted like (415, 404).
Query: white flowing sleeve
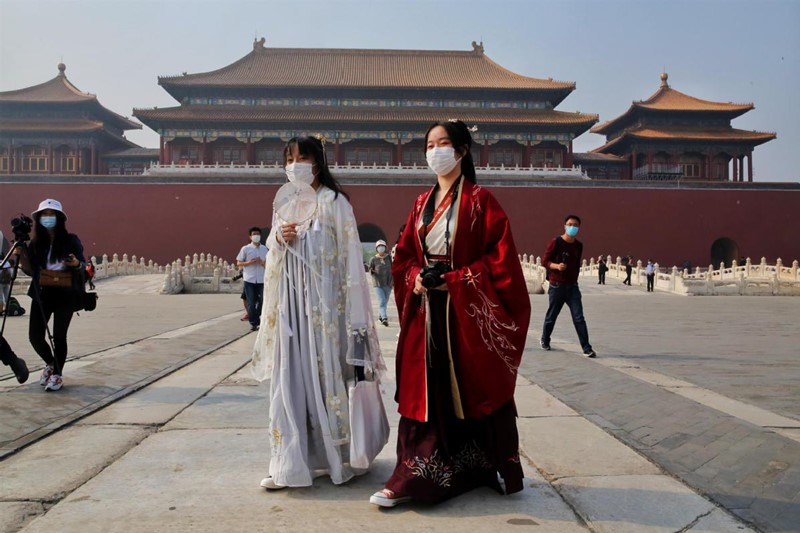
(363, 347)
(264, 349)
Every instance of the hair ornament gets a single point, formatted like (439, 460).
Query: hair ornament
(473, 129)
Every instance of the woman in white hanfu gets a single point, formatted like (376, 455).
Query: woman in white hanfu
(317, 332)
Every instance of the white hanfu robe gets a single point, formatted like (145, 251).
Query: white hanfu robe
(316, 323)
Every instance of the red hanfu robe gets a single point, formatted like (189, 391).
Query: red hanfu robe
(488, 309)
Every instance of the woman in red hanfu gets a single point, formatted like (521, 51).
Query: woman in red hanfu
(461, 338)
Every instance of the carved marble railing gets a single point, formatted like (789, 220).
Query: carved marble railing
(276, 170)
(105, 268)
(108, 268)
(748, 279)
(200, 273)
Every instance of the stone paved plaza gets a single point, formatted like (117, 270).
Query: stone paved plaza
(687, 421)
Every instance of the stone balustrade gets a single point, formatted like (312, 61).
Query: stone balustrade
(748, 279)
(105, 268)
(108, 268)
(200, 273)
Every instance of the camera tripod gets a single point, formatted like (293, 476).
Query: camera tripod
(8, 356)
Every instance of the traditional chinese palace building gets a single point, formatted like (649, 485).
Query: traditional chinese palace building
(54, 128)
(373, 106)
(672, 135)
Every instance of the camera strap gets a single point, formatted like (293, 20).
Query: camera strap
(427, 218)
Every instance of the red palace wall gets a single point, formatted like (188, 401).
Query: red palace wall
(165, 222)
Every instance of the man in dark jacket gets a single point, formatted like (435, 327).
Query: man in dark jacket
(562, 259)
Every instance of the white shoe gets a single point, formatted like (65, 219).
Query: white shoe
(387, 498)
(269, 484)
(46, 373)
(54, 383)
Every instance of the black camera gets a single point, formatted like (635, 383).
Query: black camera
(21, 226)
(239, 275)
(431, 274)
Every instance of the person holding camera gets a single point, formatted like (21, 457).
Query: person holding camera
(380, 266)
(464, 312)
(317, 333)
(562, 259)
(54, 260)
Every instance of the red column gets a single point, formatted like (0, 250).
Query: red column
(78, 160)
(50, 159)
(161, 160)
(484, 154)
(633, 163)
(526, 155)
(168, 152)
(94, 160)
(11, 159)
(251, 152)
(750, 166)
(735, 168)
(399, 153)
(205, 152)
(337, 152)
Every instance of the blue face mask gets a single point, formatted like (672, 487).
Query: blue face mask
(572, 230)
(48, 222)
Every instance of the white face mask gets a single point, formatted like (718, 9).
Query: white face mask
(300, 172)
(255, 238)
(381, 249)
(442, 159)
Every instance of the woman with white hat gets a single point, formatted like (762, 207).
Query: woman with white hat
(52, 254)
(380, 266)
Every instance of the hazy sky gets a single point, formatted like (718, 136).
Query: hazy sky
(723, 50)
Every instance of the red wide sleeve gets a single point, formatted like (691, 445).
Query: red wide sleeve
(491, 311)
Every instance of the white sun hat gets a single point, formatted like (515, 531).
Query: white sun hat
(55, 205)
(380, 242)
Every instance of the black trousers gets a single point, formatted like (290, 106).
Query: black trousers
(601, 275)
(60, 309)
(628, 272)
(558, 295)
(650, 280)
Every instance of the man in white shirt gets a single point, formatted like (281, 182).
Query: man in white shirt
(251, 259)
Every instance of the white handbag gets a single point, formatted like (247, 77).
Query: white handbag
(369, 427)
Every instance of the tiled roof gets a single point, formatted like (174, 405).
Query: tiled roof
(197, 113)
(60, 90)
(590, 157)
(57, 90)
(683, 133)
(668, 99)
(335, 67)
(49, 125)
(137, 152)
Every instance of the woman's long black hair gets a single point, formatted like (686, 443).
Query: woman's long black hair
(313, 148)
(462, 143)
(41, 239)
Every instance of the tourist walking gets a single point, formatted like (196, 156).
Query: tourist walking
(380, 266)
(251, 260)
(650, 271)
(464, 312)
(317, 333)
(54, 260)
(627, 262)
(562, 259)
(602, 268)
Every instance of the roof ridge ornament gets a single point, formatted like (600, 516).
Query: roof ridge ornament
(664, 83)
(258, 44)
(477, 48)
(61, 68)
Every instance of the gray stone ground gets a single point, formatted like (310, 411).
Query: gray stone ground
(686, 422)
